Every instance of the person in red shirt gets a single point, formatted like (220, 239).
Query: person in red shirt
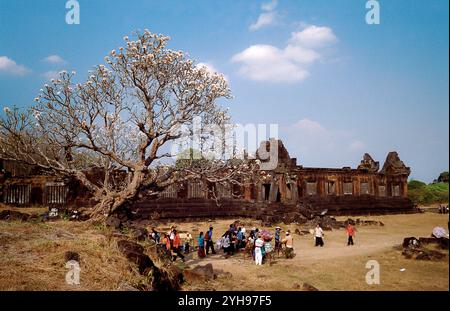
(177, 246)
(350, 233)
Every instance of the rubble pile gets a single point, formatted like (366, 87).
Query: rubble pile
(162, 279)
(414, 248)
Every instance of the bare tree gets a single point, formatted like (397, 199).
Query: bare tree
(122, 117)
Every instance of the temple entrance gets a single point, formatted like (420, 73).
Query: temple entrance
(266, 189)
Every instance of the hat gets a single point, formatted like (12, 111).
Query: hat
(277, 228)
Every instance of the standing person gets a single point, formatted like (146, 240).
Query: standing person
(155, 235)
(201, 245)
(249, 247)
(188, 242)
(319, 236)
(289, 242)
(209, 241)
(171, 236)
(226, 245)
(239, 237)
(166, 242)
(176, 246)
(278, 240)
(258, 250)
(350, 233)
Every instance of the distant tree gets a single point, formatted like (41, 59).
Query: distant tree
(443, 177)
(122, 117)
(416, 184)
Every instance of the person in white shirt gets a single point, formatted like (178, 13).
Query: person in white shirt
(319, 235)
(258, 252)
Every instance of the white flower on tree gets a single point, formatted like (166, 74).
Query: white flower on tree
(122, 117)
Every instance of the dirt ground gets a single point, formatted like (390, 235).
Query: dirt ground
(32, 258)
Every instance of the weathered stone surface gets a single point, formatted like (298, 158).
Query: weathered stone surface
(422, 254)
(410, 242)
(308, 287)
(13, 215)
(368, 164)
(394, 166)
(221, 274)
(128, 246)
(199, 273)
(135, 253)
(139, 234)
(441, 242)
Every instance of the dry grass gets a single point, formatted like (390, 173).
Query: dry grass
(337, 266)
(32, 258)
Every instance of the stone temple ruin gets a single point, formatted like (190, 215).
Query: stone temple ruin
(277, 194)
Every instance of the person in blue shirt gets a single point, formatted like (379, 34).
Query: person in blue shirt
(209, 241)
(240, 238)
(201, 245)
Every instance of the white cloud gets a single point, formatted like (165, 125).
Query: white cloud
(313, 37)
(300, 54)
(266, 18)
(51, 75)
(262, 62)
(9, 66)
(268, 63)
(269, 6)
(309, 126)
(318, 145)
(54, 59)
(357, 145)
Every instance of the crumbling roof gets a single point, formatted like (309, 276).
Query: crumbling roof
(394, 166)
(367, 163)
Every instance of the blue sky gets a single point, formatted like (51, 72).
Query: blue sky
(336, 86)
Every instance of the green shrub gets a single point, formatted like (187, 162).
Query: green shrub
(421, 193)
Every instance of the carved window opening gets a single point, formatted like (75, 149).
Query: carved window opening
(171, 192)
(288, 191)
(396, 190)
(266, 192)
(17, 194)
(348, 188)
(311, 188)
(278, 199)
(223, 191)
(330, 188)
(364, 188)
(382, 191)
(195, 189)
(55, 193)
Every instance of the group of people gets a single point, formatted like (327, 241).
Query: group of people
(256, 243)
(172, 243)
(318, 235)
(205, 243)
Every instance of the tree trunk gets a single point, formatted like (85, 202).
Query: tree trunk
(112, 201)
